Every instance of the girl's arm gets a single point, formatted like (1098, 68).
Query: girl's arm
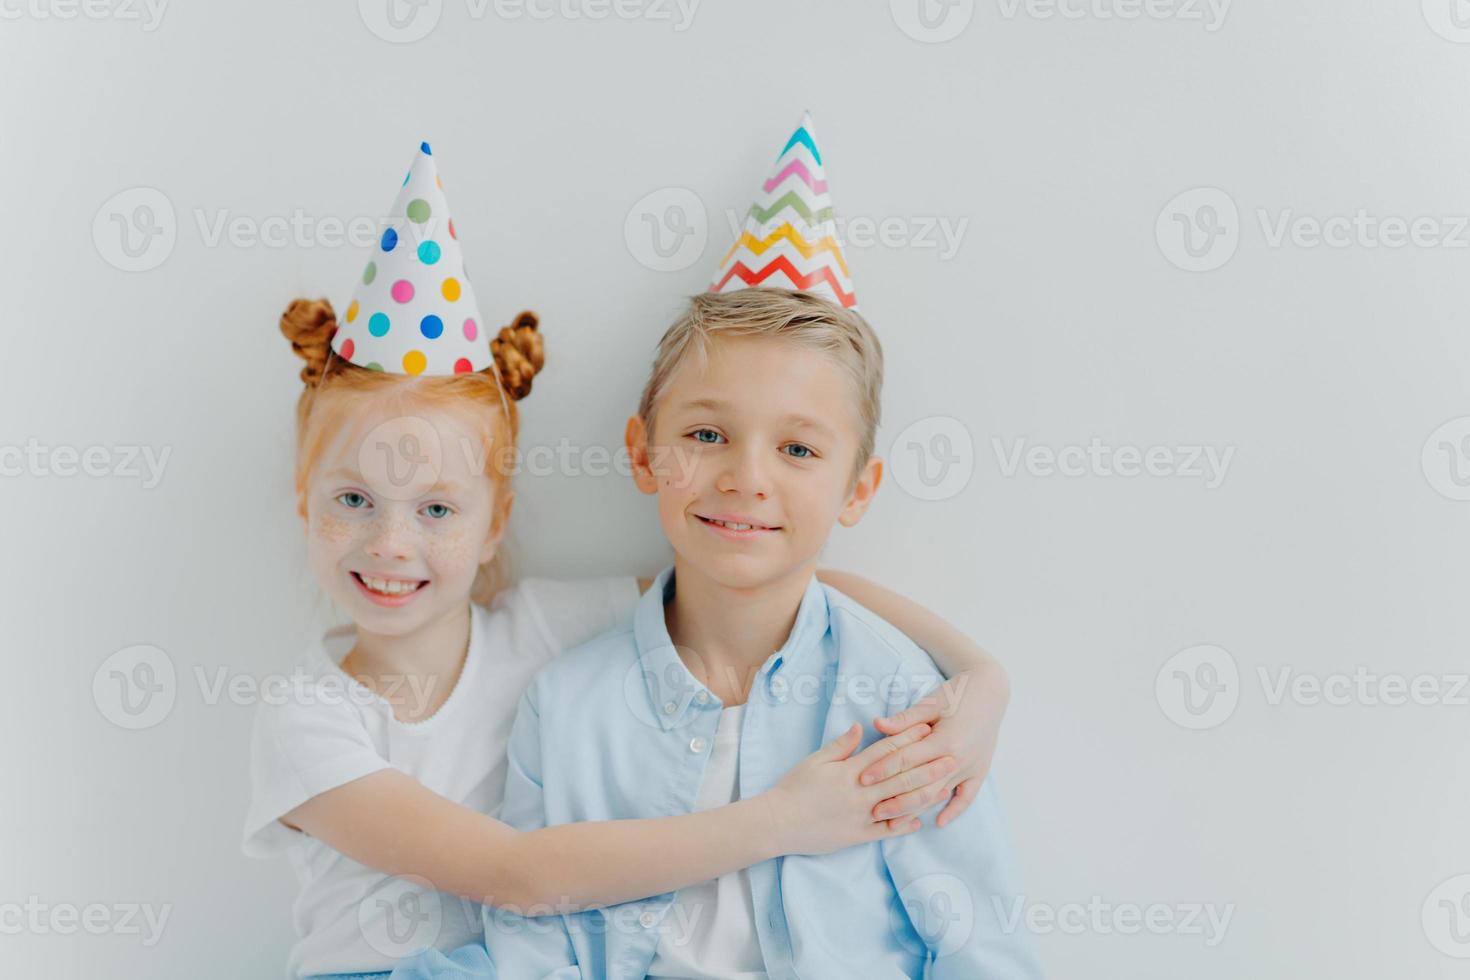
(391, 822)
(966, 711)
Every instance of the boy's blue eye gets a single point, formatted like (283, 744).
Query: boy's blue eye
(352, 499)
(805, 453)
(697, 433)
(438, 511)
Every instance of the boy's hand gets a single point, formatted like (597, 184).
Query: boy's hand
(965, 712)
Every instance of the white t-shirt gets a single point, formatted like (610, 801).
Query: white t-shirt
(709, 933)
(349, 917)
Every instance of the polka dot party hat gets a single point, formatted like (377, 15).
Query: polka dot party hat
(413, 311)
(790, 238)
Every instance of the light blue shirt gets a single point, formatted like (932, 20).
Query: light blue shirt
(619, 728)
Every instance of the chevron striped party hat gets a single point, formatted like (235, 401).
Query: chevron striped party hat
(790, 239)
(413, 311)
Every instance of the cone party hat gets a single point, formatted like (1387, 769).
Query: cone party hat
(413, 310)
(789, 240)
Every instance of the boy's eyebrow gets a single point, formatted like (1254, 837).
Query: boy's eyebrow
(802, 422)
(793, 420)
(708, 403)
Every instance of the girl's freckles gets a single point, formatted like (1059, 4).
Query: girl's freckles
(331, 530)
(458, 547)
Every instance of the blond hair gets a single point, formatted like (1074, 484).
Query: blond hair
(336, 389)
(800, 318)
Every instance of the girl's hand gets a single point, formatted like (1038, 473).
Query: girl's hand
(965, 712)
(819, 806)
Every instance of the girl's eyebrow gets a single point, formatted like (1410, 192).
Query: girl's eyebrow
(451, 487)
(352, 476)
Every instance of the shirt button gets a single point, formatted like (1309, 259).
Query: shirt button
(778, 688)
(702, 697)
(647, 919)
(670, 707)
(697, 744)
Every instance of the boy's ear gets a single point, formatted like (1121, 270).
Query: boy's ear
(862, 492)
(498, 525)
(635, 437)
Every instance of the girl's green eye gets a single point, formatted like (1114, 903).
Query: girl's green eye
(805, 453)
(437, 511)
(352, 499)
(705, 432)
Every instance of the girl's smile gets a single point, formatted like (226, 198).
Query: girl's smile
(402, 558)
(389, 591)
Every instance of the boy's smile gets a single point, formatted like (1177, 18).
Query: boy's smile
(737, 527)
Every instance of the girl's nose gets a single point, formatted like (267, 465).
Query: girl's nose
(393, 540)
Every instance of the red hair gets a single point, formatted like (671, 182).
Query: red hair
(336, 389)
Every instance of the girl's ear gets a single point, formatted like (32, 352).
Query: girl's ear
(862, 492)
(635, 437)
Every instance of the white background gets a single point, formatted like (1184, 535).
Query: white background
(1068, 312)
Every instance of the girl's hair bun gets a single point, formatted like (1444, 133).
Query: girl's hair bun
(518, 355)
(309, 324)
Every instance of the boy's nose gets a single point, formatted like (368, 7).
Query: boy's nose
(746, 473)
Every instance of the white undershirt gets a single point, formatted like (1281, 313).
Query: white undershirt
(330, 730)
(709, 933)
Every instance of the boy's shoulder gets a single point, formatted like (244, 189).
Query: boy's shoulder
(865, 639)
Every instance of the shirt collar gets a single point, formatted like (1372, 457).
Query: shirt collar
(669, 682)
